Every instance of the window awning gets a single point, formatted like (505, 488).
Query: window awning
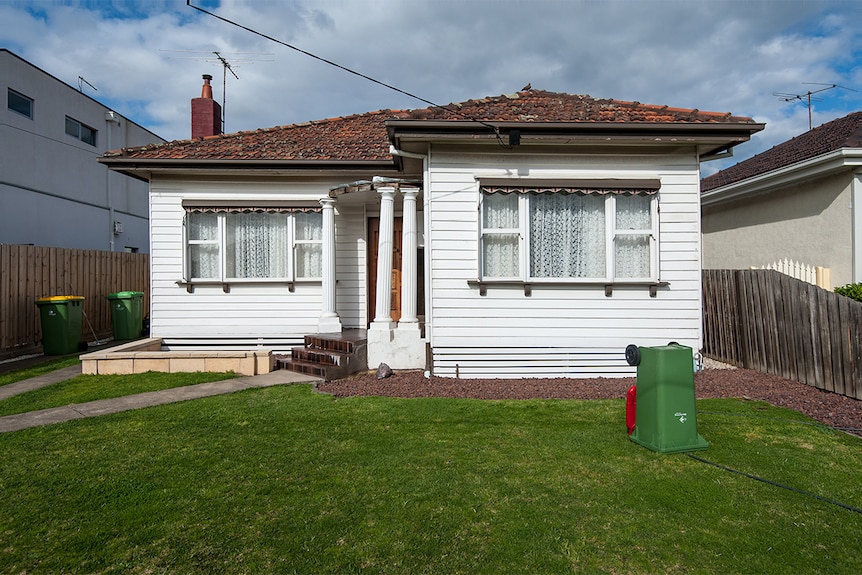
(606, 186)
(250, 209)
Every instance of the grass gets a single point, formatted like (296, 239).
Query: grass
(85, 388)
(283, 480)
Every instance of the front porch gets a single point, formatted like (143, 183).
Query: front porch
(395, 334)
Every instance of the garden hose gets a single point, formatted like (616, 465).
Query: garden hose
(776, 484)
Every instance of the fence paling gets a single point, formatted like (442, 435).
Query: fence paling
(768, 321)
(30, 272)
(816, 275)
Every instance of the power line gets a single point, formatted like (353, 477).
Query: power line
(350, 71)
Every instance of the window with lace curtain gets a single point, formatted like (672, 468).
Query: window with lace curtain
(572, 234)
(254, 244)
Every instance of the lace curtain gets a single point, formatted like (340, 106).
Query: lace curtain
(501, 255)
(203, 245)
(567, 236)
(632, 241)
(257, 245)
(309, 244)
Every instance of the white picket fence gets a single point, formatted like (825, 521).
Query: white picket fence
(817, 275)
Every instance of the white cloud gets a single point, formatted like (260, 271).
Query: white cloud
(720, 55)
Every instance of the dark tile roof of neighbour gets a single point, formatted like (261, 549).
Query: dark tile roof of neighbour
(844, 132)
(363, 137)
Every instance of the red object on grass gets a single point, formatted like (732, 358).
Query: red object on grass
(631, 402)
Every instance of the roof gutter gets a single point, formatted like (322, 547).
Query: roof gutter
(396, 152)
(718, 155)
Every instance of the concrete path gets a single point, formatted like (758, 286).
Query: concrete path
(39, 381)
(138, 401)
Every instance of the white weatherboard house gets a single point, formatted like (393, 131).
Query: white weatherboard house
(527, 235)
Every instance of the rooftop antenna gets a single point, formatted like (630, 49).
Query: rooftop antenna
(806, 97)
(82, 81)
(220, 58)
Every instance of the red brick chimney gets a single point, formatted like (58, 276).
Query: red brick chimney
(206, 112)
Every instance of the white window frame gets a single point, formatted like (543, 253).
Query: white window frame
(221, 242)
(612, 234)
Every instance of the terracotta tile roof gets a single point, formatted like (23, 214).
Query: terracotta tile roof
(359, 138)
(363, 137)
(541, 106)
(844, 132)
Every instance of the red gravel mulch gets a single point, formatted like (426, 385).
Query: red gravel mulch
(826, 407)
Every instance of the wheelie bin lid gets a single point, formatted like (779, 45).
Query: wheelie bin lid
(125, 295)
(59, 298)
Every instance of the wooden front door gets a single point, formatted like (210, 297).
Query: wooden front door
(373, 241)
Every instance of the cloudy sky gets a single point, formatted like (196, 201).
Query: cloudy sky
(146, 57)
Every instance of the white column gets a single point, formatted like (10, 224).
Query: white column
(409, 276)
(383, 301)
(329, 321)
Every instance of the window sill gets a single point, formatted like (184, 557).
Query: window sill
(226, 285)
(483, 285)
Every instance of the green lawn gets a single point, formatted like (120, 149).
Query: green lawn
(283, 480)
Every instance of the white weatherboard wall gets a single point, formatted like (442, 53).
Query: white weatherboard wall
(266, 313)
(557, 331)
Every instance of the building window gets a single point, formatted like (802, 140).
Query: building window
(231, 244)
(568, 234)
(80, 131)
(19, 103)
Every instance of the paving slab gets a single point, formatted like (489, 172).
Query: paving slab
(148, 399)
(49, 378)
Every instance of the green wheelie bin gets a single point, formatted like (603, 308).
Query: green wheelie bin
(126, 314)
(665, 411)
(61, 318)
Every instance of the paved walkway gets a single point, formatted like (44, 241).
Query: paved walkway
(137, 401)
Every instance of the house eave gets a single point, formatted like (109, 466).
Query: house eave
(143, 169)
(707, 138)
(823, 165)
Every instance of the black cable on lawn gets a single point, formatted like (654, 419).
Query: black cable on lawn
(776, 484)
(814, 423)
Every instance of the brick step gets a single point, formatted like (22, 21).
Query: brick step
(331, 343)
(313, 355)
(328, 356)
(305, 367)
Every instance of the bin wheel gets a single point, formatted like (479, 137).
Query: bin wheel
(633, 354)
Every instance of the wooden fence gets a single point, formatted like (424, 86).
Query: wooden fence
(30, 272)
(768, 321)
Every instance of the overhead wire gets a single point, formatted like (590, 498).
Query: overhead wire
(496, 129)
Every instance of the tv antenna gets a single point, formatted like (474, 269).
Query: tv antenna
(221, 58)
(806, 97)
(82, 81)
